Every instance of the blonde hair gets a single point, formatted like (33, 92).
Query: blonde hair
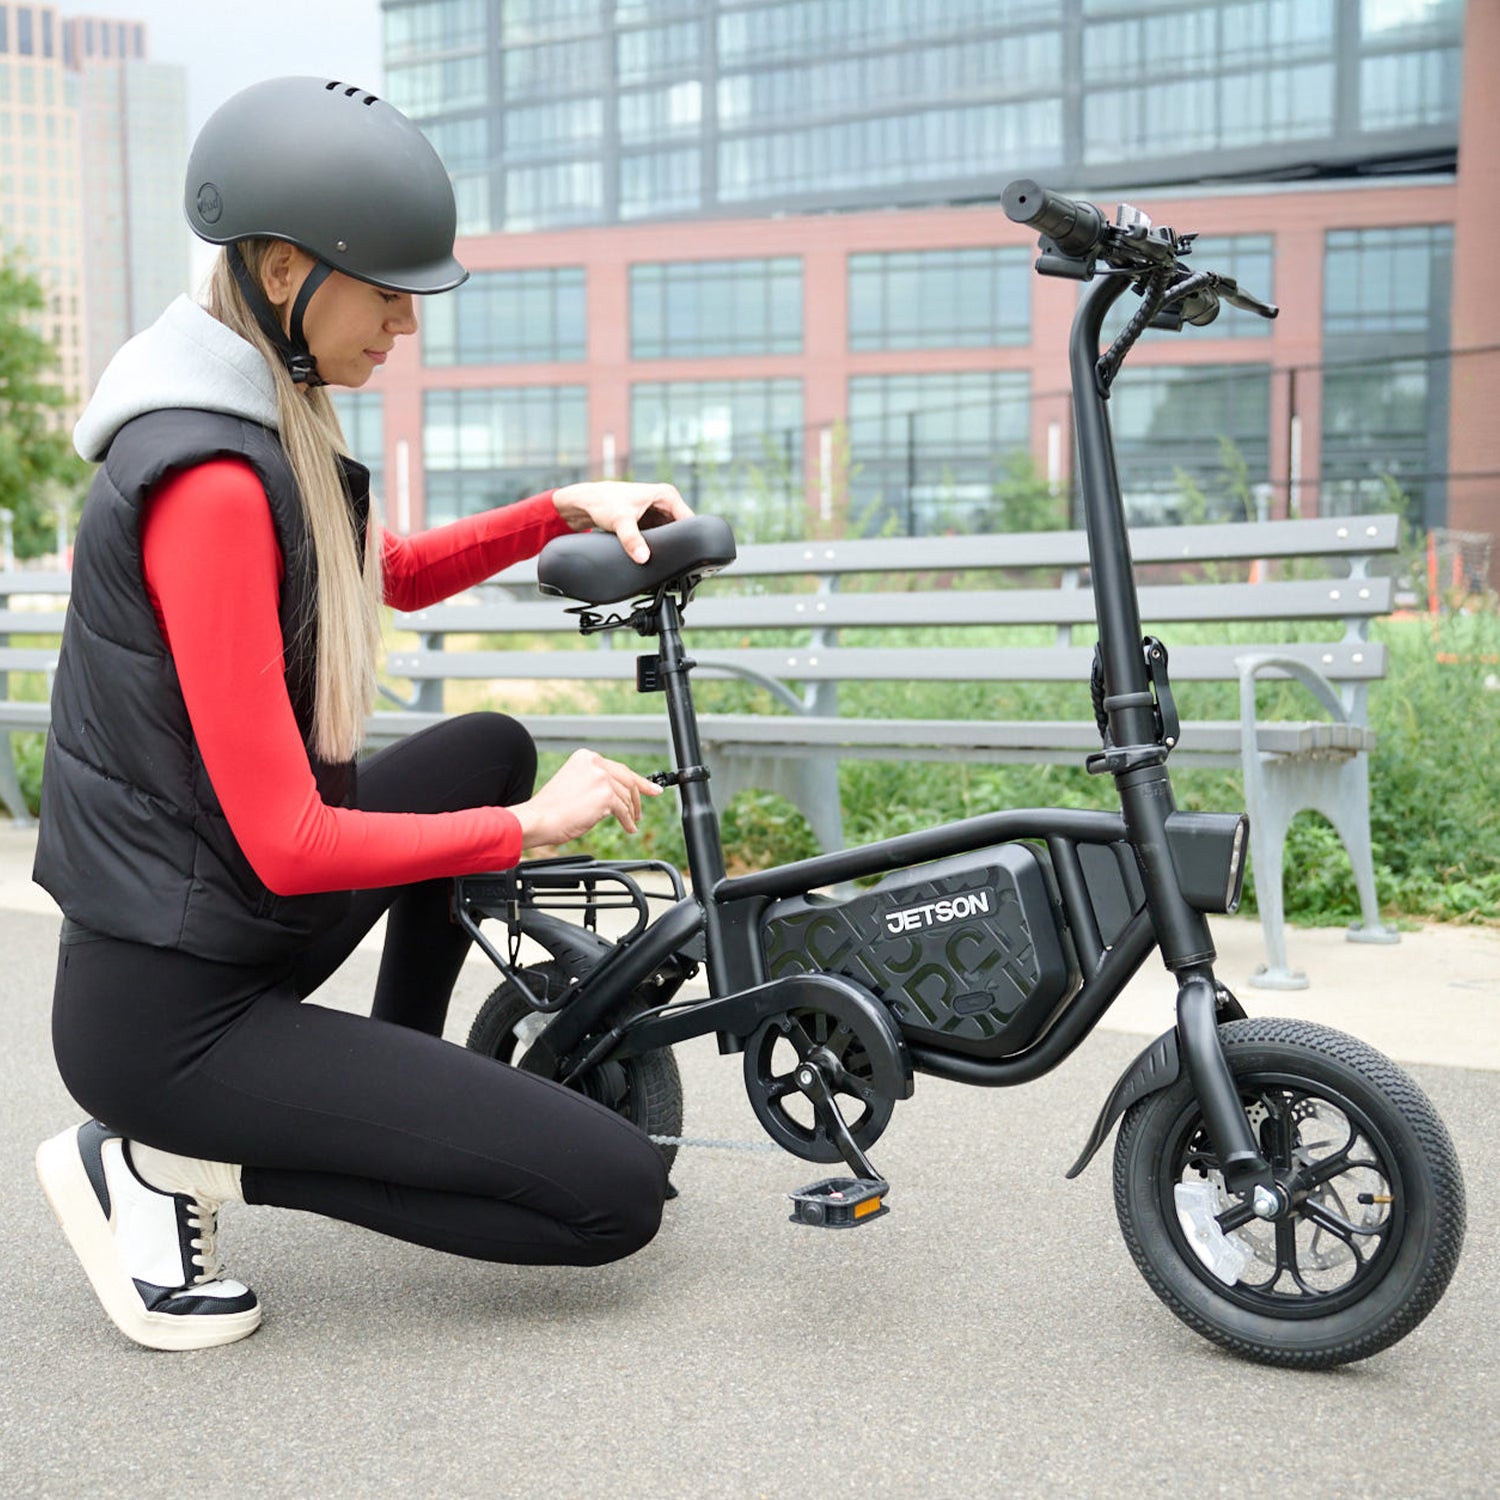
(346, 609)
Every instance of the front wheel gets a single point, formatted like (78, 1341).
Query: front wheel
(1376, 1216)
(646, 1090)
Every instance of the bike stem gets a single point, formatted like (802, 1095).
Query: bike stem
(1139, 764)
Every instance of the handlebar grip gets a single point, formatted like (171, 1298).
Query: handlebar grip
(1076, 229)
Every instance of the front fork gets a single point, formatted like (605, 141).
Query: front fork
(1187, 948)
(1246, 1171)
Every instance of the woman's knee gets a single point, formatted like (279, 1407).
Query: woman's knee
(508, 747)
(629, 1218)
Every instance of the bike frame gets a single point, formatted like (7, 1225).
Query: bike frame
(723, 914)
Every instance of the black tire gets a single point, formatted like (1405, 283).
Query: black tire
(646, 1090)
(1301, 1292)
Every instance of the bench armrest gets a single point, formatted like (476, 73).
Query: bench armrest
(1251, 667)
(392, 696)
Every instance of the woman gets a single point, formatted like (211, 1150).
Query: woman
(213, 845)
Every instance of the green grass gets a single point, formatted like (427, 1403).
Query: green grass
(1435, 819)
(1435, 816)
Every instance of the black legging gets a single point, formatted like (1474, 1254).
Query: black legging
(374, 1120)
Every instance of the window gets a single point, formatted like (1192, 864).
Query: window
(1386, 296)
(464, 144)
(362, 415)
(1209, 423)
(544, 129)
(932, 299)
(483, 448)
(733, 447)
(432, 87)
(692, 309)
(508, 317)
(568, 192)
(1386, 281)
(1404, 20)
(1378, 430)
(806, 28)
(435, 26)
(539, 20)
(983, 66)
(895, 150)
(654, 114)
(659, 51)
(661, 182)
(927, 451)
(1403, 89)
(555, 68)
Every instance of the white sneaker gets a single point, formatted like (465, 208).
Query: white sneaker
(150, 1255)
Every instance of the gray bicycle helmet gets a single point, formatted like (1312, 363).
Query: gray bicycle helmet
(335, 170)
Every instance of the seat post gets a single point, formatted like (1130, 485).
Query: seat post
(700, 822)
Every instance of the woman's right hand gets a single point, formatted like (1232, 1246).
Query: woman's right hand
(587, 789)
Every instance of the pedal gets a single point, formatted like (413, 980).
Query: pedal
(840, 1202)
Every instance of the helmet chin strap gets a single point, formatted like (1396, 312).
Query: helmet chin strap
(295, 354)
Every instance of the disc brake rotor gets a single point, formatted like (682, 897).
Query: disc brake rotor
(779, 1047)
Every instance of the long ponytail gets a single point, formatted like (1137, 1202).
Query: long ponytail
(347, 618)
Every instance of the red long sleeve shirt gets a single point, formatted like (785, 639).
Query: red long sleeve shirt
(213, 572)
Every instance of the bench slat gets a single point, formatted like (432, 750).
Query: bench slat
(1301, 600)
(23, 715)
(26, 659)
(32, 621)
(1340, 661)
(13, 584)
(1332, 536)
(793, 734)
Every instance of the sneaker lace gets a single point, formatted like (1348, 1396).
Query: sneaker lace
(203, 1215)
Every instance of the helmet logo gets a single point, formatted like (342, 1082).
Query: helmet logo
(210, 204)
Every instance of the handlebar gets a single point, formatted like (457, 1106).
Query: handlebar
(1076, 234)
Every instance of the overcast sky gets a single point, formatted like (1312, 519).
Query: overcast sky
(228, 46)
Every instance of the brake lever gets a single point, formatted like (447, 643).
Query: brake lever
(1229, 289)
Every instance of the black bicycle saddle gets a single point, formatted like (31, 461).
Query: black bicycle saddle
(594, 568)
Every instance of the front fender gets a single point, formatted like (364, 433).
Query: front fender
(1156, 1068)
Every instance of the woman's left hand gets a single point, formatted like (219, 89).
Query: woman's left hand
(619, 506)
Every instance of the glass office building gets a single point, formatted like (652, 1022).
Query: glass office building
(758, 246)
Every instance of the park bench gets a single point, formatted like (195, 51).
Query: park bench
(809, 593)
(32, 605)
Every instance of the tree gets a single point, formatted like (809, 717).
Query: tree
(37, 462)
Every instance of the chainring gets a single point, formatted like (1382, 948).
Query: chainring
(779, 1046)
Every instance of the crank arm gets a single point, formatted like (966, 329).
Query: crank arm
(811, 1081)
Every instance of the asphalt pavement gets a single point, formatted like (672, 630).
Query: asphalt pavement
(991, 1336)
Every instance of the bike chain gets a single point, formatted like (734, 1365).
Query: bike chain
(710, 1142)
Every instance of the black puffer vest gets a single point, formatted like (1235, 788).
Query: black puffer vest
(133, 842)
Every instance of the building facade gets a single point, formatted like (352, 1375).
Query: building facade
(40, 199)
(133, 129)
(758, 247)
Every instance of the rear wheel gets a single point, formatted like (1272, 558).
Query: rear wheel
(1375, 1215)
(646, 1090)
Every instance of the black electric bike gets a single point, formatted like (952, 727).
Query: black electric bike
(1286, 1190)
